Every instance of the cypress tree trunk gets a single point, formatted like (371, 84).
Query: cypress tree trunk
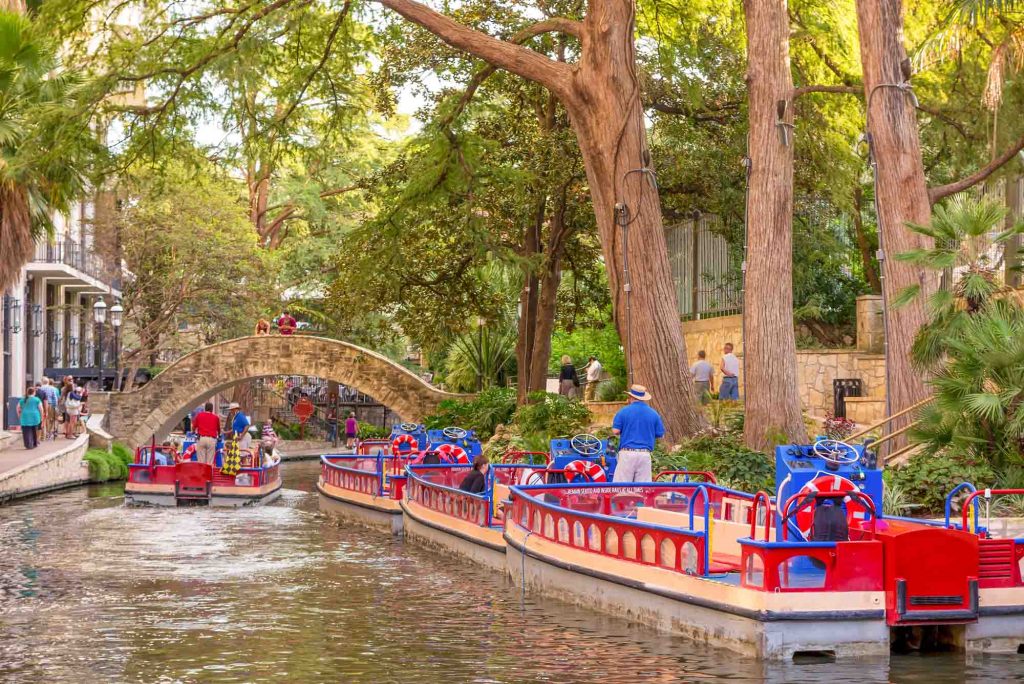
(769, 344)
(902, 195)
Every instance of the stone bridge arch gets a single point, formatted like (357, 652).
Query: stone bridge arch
(158, 406)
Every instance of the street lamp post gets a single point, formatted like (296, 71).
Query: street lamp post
(99, 315)
(116, 313)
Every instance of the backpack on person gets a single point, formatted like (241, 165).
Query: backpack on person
(73, 403)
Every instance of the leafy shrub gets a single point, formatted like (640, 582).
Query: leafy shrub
(371, 431)
(613, 389)
(491, 408)
(551, 415)
(927, 478)
(123, 452)
(287, 431)
(105, 466)
(732, 463)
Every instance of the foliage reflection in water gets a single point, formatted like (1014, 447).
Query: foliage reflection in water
(93, 591)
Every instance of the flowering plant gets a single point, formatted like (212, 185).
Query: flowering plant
(838, 428)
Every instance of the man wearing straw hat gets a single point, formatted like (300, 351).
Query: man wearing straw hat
(638, 427)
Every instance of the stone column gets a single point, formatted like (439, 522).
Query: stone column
(870, 325)
(38, 337)
(75, 328)
(59, 325)
(17, 351)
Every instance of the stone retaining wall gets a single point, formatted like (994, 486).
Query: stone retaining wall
(63, 468)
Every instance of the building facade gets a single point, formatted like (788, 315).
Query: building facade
(48, 320)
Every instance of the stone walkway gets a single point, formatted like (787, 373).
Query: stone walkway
(14, 455)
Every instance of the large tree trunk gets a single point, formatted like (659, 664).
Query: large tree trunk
(601, 93)
(772, 402)
(528, 306)
(863, 245)
(606, 113)
(901, 194)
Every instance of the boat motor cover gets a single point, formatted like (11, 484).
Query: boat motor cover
(830, 522)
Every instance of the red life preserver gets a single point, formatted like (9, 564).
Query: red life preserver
(454, 453)
(826, 483)
(187, 454)
(589, 468)
(399, 441)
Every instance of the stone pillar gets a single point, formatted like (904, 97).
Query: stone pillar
(870, 325)
(38, 338)
(75, 329)
(59, 326)
(16, 357)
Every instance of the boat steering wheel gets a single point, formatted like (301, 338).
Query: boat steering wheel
(408, 427)
(835, 452)
(586, 444)
(454, 433)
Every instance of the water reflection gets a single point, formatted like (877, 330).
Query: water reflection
(92, 591)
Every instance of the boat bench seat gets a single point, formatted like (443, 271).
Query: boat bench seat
(724, 562)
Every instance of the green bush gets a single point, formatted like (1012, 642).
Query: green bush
(105, 466)
(122, 452)
(732, 463)
(613, 389)
(551, 415)
(926, 479)
(370, 431)
(491, 408)
(287, 431)
(583, 343)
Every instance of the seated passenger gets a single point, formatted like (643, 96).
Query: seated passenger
(165, 454)
(830, 521)
(476, 481)
(431, 458)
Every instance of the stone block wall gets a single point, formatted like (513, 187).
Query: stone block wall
(870, 324)
(711, 334)
(54, 471)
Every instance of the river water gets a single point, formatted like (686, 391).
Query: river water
(91, 591)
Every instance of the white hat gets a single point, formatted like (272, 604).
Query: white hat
(639, 392)
(233, 405)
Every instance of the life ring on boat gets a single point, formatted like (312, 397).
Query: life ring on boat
(454, 453)
(588, 468)
(826, 484)
(403, 440)
(185, 455)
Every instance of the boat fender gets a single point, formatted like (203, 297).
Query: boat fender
(403, 440)
(580, 467)
(454, 453)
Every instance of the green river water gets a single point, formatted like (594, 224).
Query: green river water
(91, 591)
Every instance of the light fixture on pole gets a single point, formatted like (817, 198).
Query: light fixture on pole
(99, 315)
(116, 313)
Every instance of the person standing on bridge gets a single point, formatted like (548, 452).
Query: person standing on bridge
(286, 324)
(207, 426)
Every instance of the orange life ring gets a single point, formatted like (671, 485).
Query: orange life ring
(589, 468)
(826, 483)
(400, 441)
(454, 453)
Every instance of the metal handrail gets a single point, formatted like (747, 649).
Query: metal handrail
(871, 428)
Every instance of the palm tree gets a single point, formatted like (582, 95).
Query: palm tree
(967, 232)
(44, 142)
(964, 17)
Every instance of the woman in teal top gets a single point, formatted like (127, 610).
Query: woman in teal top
(30, 416)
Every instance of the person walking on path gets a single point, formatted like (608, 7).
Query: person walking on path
(703, 377)
(332, 424)
(49, 395)
(639, 427)
(351, 430)
(207, 426)
(568, 381)
(593, 369)
(286, 324)
(30, 417)
(730, 388)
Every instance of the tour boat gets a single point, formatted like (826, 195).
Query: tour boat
(437, 512)
(367, 486)
(750, 572)
(162, 476)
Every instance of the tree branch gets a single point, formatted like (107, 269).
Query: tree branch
(942, 191)
(505, 55)
(556, 24)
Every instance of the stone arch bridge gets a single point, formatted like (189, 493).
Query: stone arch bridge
(155, 408)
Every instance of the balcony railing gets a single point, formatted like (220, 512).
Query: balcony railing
(74, 254)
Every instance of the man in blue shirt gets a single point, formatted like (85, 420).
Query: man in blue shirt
(638, 427)
(240, 426)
